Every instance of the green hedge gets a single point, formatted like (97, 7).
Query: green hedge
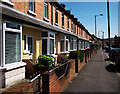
(77, 53)
(45, 63)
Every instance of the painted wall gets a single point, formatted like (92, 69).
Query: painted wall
(36, 34)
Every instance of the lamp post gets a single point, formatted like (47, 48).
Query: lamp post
(95, 23)
(108, 12)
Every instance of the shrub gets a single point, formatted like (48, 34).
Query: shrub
(45, 63)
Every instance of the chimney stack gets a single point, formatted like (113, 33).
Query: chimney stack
(63, 5)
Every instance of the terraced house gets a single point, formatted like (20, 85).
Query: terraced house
(30, 29)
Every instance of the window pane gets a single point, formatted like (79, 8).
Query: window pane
(31, 5)
(71, 44)
(62, 45)
(56, 16)
(66, 45)
(51, 46)
(52, 34)
(62, 19)
(44, 34)
(13, 26)
(45, 10)
(44, 46)
(12, 47)
(30, 44)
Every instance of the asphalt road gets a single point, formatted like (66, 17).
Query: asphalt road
(97, 76)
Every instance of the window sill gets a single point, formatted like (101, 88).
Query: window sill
(8, 2)
(68, 29)
(46, 19)
(63, 27)
(13, 65)
(56, 24)
(32, 13)
(26, 52)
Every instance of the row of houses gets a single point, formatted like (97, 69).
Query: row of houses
(30, 29)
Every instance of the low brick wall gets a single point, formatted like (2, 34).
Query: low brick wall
(51, 83)
(49, 80)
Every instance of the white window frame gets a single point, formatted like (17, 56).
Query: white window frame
(26, 50)
(5, 29)
(65, 39)
(56, 11)
(33, 6)
(64, 44)
(46, 5)
(48, 43)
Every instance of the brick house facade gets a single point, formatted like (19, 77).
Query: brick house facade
(34, 29)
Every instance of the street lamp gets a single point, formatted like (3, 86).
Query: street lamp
(95, 24)
(108, 12)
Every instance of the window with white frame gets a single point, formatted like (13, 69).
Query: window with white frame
(28, 44)
(64, 44)
(56, 16)
(46, 9)
(48, 43)
(67, 43)
(12, 43)
(62, 19)
(32, 5)
(68, 22)
(71, 25)
(82, 45)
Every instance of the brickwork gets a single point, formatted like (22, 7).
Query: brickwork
(49, 82)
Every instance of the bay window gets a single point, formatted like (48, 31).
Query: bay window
(48, 43)
(11, 43)
(64, 44)
(67, 43)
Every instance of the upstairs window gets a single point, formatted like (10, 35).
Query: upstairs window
(71, 26)
(46, 10)
(68, 23)
(51, 14)
(62, 19)
(56, 16)
(32, 5)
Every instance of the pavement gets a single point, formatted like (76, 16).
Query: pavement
(96, 76)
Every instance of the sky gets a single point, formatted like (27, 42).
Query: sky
(86, 11)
